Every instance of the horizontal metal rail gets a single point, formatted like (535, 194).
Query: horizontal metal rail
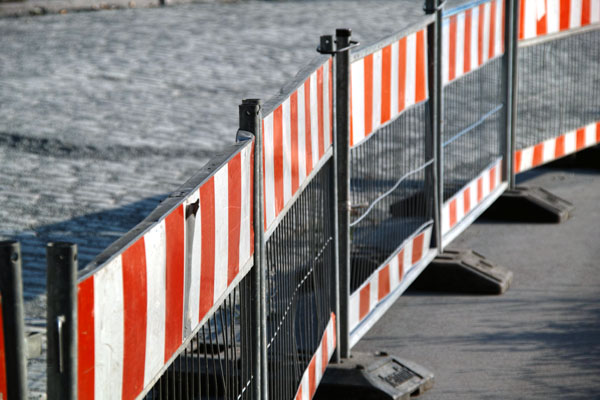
(474, 125)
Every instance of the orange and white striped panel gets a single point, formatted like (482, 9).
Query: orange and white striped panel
(385, 83)
(297, 134)
(318, 363)
(467, 199)
(541, 17)
(387, 277)
(471, 38)
(552, 149)
(133, 312)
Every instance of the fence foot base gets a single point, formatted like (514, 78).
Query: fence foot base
(463, 271)
(374, 377)
(529, 204)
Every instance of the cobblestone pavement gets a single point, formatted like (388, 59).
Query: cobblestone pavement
(103, 114)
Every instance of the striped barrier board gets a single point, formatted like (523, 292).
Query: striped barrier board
(557, 147)
(3, 387)
(471, 37)
(298, 135)
(385, 83)
(318, 363)
(542, 17)
(138, 308)
(388, 278)
(471, 197)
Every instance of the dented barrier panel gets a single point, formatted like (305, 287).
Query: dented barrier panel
(145, 296)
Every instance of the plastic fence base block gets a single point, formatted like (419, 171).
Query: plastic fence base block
(374, 377)
(529, 204)
(463, 271)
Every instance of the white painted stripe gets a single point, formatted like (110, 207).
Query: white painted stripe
(330, 338)
(374, 292)
(473, 194)
(446, 217)
(425, 64)
(318, 364)
(358, 100)
(394, 277)
(486, 182)
(445, 51)
(301, 136)
(314, 119)
(287, 151)
(527, 158)
(269, 171)
(499, 22)
(426, 242)
(460, 44)
(411, 69)
(552, 16)
(221, 231)
(595, 10)
(487, 10)
(305, 393)
(530, 19)
(193, 311)
(354, 308)
(326, 111)
(377, 73)
(394, 80)
(570, 142)
(474, 38)
(548, 150)
(246, 226)
(575, 14)
(408, 252)
(460, 206)
(108, 331)
(590, 135)
(156, 286)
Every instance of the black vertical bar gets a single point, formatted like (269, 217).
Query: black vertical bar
(514, 46)
(433, 143)
(11, 291)
(342, 167)
(507, 93)
(62, 320)
(250, 121)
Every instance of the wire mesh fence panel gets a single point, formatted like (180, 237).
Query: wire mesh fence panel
(300, 267)
(472, 125)
(217, 361)
(558, 87)
(390, 198)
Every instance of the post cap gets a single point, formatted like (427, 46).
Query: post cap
(343, 32)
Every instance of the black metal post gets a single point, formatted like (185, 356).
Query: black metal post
(11, 289)
(62, 320)
(342, 167)
(505, 139)
(250, 121)
(514, 43)
(433, 144)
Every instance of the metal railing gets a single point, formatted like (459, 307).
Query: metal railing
(283, 251)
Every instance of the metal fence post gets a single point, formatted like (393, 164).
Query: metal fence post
(11, 289)
(328, 46)
(62, 320)
(513, 16)
(250, 120)
(505, 141)
(342, 168)
(433, 144)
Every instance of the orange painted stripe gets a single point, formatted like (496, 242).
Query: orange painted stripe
(252, 200)
(278, 157)
(175, 272)
(480, 33)
(386, 83)
(492, 30)
(307, 130)
(321, 121)
(85, 339)
(492, 179)
(522, 19)
(452, 51)
(542, 23)
(417, 252)
(467, 50)
(586, 12)
(565, 14)
(330, 116)
(452, 213)
(365, 301)
(479, 190)
(580, 138)
(597, 132)
(467, 200)
(559, 146)
(299, 395)
(421, 72)
(264, 178)
(368, 60)
(324, 352)
(502, 22)
(538, 154)
(384, 282)
(312, 377)
(294, 139)
(401, 73)
(207, 261)
(518, 156)
(134, 318)
(401, 264)
(234, 192)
